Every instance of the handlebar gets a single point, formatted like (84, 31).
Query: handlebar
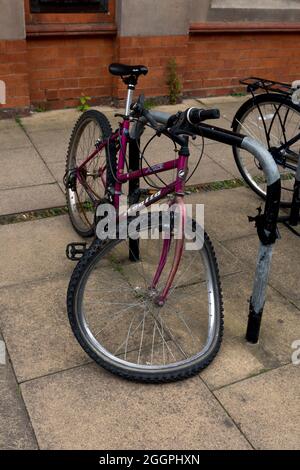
(195, 115)
(160, 117)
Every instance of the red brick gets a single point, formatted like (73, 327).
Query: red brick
(51, 84)
(16, 46)
(51, 95)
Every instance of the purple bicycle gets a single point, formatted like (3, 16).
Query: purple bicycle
(143, 306)
(141, 302)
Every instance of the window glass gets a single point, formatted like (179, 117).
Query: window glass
(68, 6)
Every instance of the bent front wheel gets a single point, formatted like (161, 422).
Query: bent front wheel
(114, 314)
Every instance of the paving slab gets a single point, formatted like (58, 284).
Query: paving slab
(230, 100)
(239, 359)
(88, 408)
(51, 120)
(223, 156)
(285, 261)
(7, 124)
(35, 250)
(12, 136)
(30, 198)
(288, 283)
(226, 212)
(59, 119)
(22, 167)
(36, 328)
(267, 408)
(208, 171)
(16, 432)
(227, 263)
(234, 361)
(51, 144)
(280, 324)
(58, 170)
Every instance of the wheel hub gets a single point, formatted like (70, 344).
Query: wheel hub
(150, 295)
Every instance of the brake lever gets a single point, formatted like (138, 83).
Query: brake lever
(161, 130)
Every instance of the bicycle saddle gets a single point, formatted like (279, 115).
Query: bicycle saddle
(122, 70)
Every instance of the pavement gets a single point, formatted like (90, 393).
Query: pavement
(54, 397)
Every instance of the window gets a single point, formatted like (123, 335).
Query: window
(69, 6)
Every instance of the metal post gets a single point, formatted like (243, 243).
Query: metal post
(267, 231)
(134, 185)
(295, 209)
(257, 300)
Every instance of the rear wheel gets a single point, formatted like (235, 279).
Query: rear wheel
(273, 120)
(114, 313)
(90, 127)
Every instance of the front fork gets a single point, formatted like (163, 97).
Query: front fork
(179, 201)
(181, 218)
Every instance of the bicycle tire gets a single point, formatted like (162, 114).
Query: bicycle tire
(94, 255)
(240, 125)
(84, 223)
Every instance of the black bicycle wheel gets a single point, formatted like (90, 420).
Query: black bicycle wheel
(91, 126)
(114, 315)
(273, 120)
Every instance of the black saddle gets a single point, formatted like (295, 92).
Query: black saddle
(122, 70)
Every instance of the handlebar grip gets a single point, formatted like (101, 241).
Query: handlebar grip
(195, 115)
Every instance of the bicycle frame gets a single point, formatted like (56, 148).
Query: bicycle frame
(122, 134)
(177, 186)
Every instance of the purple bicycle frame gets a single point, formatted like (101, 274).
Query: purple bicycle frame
(176, 186)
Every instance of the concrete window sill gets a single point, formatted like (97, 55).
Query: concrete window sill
(243, 27)
(46, 30)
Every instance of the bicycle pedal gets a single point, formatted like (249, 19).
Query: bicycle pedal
(74, 251)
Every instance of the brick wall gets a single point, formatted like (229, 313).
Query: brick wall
(63, 69)
(211, 64)
(53, 72)
(14, 72)
(217, 61)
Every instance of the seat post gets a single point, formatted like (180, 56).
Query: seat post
(130, 91)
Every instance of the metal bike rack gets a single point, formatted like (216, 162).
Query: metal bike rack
(266, 223)
(295, 209)
(134, 156)
(267, 232)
